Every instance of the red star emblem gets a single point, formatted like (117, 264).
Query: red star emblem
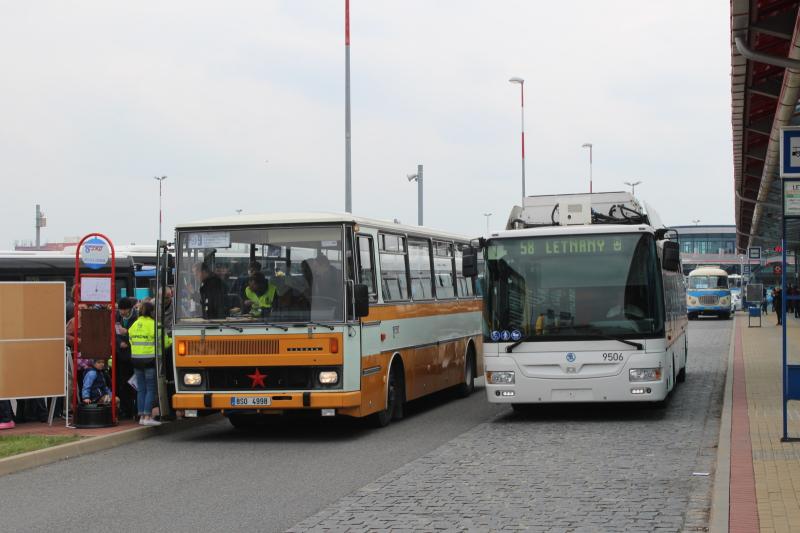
(258, 379)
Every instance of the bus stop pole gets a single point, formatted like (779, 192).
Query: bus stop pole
(782, 310)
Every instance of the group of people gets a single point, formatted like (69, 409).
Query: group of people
(257, 294)
(775, 297)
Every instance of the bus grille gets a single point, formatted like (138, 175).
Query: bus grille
(233, 347)
(709, 299)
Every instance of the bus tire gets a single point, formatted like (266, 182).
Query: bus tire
(725, 316)
(394, 399)
(681, 378)
(468, 387)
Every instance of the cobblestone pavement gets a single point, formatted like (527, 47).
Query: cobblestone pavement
(564, 468)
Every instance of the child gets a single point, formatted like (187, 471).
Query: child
(95, 388)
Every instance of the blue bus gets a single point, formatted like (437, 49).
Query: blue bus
(708, 293)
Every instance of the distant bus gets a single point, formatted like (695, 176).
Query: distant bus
(736, 285)
(708, 293)
(59, 266)
(363, 316)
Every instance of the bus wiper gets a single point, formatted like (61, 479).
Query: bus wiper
(284, 328)
(510, 347)
(220, 325)
(636, 345)
(320, 324)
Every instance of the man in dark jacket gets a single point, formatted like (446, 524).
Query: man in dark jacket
(212, 292)
(126, 316)
(776, 302)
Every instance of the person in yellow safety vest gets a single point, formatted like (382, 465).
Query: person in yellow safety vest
(259, 294)
(142, 336)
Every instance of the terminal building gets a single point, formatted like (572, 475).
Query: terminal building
(711, 246)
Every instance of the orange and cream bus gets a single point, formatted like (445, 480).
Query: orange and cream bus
(357, 316)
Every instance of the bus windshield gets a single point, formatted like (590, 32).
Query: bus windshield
(260, 275)
(568, 287)
(708, 282)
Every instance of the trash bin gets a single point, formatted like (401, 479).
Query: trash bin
(754, 311)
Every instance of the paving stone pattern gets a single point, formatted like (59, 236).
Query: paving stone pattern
(566, 468)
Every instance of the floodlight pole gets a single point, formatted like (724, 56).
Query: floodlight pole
(348, 200)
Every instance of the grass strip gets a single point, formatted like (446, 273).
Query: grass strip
(16, 444)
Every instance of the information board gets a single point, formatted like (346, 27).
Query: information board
(32, 320)
(791, 199)
(754, 293)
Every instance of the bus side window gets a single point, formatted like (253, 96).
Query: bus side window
(366, 270)
(464, 285)
(394, 269)
(419, 258)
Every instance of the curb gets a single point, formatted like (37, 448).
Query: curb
(720, 497)
(36, 458)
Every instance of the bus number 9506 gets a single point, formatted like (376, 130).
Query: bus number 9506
(612, 357)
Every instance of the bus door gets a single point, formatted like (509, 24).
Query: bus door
(370, 340)
(165, 383)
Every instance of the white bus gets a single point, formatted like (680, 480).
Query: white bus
(359, 316)
(584, 302)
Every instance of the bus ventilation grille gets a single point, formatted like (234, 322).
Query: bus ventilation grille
(233, 347)
(709, 300)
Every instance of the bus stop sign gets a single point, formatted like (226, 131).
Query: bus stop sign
(790, 152)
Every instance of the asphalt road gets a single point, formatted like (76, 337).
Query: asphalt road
(215, 478)
(613, 467)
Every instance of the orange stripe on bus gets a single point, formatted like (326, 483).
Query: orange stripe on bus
(417, 310)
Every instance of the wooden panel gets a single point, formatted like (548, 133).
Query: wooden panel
(31, 310)
(31, 369)
(32, 362)
(95, 333)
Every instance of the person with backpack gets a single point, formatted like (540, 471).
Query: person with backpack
(142, 335)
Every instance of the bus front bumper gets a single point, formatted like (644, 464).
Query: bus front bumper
(711, 309)
(278, 400)
(617, 388)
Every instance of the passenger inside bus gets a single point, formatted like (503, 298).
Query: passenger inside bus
(212, 292)
(259, 296)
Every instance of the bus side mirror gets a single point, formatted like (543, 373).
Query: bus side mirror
(469, 262)
(361, 300)
(671, 256)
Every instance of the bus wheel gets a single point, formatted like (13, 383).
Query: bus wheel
(394, 400)
(725, 316)
(468, 387)
(682, 373)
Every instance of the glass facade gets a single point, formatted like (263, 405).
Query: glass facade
(708, 243)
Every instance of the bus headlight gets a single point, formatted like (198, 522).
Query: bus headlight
(500, 378)
(644, 374)
(725, 300)
(192, 379)
(692, 300)
(328, 377)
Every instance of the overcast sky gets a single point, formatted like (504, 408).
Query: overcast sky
(241, 105)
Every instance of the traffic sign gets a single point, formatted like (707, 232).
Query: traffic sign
(790, 152)
(777, 269)
(754, 252)
(745, 270)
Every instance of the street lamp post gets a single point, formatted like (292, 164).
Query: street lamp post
(521, 83)
(239, 211)
(418, 178)
(160, 212)
(632, 185)
(348, 201)
(487, 215)
(696, 221)
(589, 146)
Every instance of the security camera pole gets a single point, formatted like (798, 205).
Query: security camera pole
(418, 178)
